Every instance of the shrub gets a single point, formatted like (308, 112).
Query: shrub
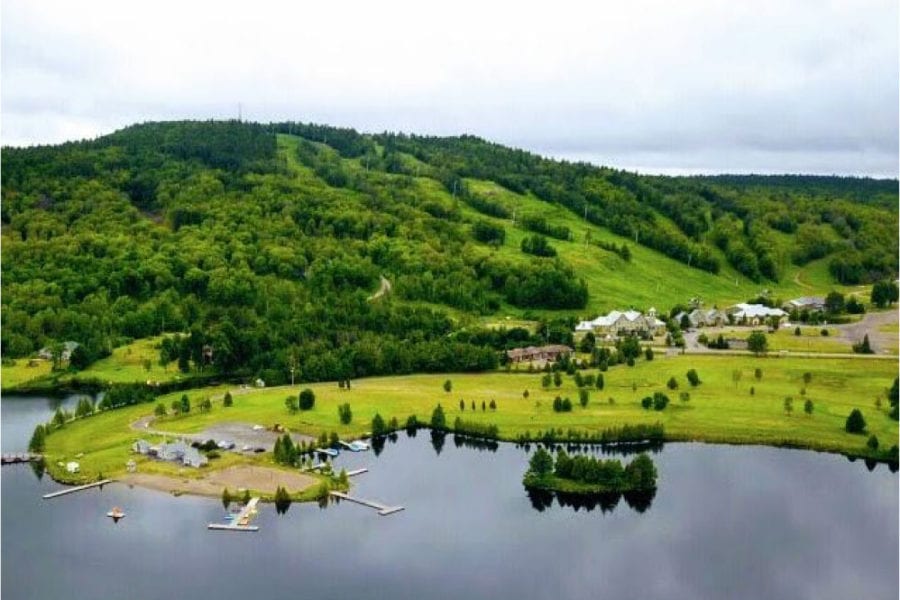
(684, 396)
(493, 404)
(583, 397)
(227, 400)
(872, 444)
(647, 402)
(438, 419)
(693, 378)
(660, 401)
(855, 422)
(672, 384)
(307, 399)
(378, 426)
(345, 414)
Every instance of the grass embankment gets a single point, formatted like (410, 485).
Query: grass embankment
(720, 409)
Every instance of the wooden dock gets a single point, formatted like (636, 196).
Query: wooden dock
(382, 509)
(241, 521)
(227, 527)
(20, 457)
(77, 488)
(357, 472)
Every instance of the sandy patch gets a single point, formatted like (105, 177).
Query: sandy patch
(262, 479)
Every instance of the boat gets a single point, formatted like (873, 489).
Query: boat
(116, 513)
(358, 446)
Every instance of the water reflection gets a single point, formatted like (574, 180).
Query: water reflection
(437, 440)
(542, 500)
(464, 441)
(37, 466)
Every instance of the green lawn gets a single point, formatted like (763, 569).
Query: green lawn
(719, 410)
(809, 340)
(126, 364)
(129, 363)
(19, 372)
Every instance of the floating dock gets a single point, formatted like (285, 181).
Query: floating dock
(241, 521)
(357, 472)
(77, 488)
(20, 457)
(382, 509)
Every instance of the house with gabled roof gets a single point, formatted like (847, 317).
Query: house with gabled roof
(627, 322)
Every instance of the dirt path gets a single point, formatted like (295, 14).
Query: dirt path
(384, 289)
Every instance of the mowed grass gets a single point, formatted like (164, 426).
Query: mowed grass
(128, 364)
(719, 410)
(809, 340)
(102, 446)
(19, 372)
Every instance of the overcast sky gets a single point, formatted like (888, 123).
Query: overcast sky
(768, 86)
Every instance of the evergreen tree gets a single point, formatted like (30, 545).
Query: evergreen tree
(855, 422)
(37, 439)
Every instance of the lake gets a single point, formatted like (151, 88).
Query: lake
(725, 522)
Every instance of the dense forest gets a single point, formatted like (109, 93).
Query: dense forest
(257, 248)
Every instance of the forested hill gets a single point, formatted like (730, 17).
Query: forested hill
(265, 243)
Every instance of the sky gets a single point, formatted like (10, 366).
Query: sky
(697, 86)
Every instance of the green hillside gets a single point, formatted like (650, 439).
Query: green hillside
(263, 246)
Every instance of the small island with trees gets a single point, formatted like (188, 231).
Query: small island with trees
(582, 474)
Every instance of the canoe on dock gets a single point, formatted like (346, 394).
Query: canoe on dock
(240, 521)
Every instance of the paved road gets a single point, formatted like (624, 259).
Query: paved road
(880, 341)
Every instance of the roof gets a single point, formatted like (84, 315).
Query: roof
(807, 301)
(756, 310)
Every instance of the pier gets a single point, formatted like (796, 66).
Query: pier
(241, 521)
(357, 472)
(20, 457)
(77, 488)
(382, 509)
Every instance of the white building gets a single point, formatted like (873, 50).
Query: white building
(630, 321)
(755, 314)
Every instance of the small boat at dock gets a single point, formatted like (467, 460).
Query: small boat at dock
(116, 513)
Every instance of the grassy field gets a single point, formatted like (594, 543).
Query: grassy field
(19, 372)
(809, 340)
(650, 278)
(126, 364)
(720, 409)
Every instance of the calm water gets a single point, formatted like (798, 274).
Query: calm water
(726, 522)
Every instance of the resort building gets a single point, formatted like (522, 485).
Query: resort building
(703, 318)
(179, 451)
(806, 303)
(755, 314)
(536, 353)
(628, 322)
